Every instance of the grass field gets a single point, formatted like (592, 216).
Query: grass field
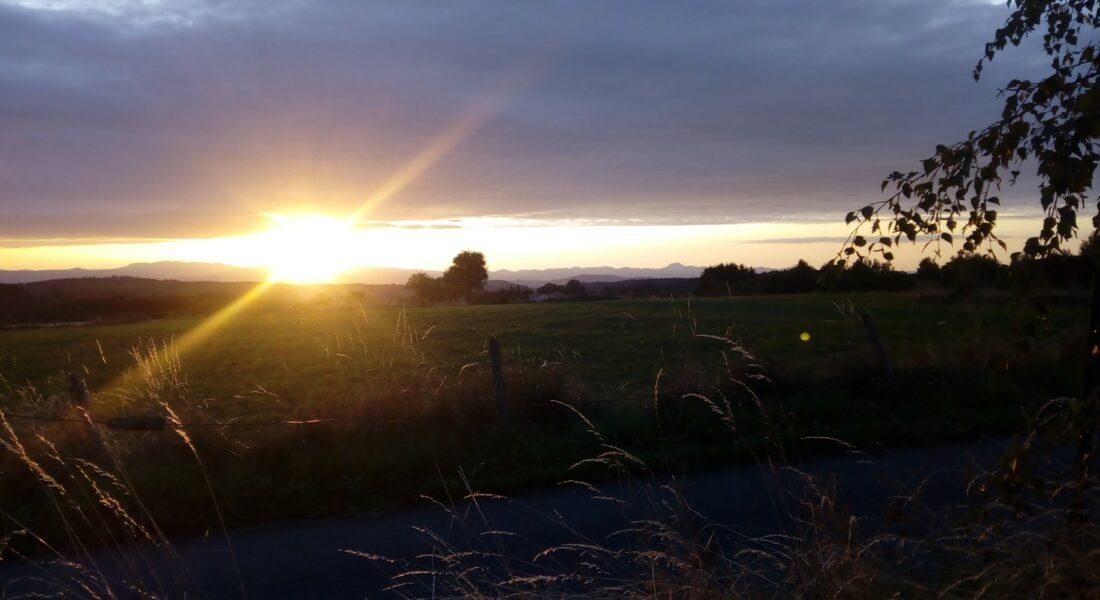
(611, 347)
(414, 387)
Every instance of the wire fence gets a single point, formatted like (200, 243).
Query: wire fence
(151, 422)
(158, 422)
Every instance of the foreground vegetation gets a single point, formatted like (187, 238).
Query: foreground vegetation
(410, 400)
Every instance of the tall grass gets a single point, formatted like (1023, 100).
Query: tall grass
(78, 491)
(104, 541)
(1016, 535)
(95, 500)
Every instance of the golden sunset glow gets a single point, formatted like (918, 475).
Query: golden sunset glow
(291, 291)
(315, 247)
(303, 248)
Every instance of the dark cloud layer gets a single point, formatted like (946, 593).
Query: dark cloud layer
(663, 112)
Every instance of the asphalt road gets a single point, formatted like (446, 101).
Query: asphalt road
(310, 559)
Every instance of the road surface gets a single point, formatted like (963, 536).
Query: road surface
(311, 559)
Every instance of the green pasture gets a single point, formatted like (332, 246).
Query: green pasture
(610, 348)
(413, 386)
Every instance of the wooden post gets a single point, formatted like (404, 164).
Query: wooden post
(78, 389)
(876, 342)
(498, 372)
(1090, 407)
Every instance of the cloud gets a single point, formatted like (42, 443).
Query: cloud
(406, 225)
(831, 239)
(69, 228)
(657, 112)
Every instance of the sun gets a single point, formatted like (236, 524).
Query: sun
(307, 248)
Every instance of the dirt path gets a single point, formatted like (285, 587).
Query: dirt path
(308, 559)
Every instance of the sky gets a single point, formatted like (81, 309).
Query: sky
(545, 134)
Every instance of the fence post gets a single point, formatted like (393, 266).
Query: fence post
(1090, 407)
(78, 389)
(498, 372)
(876, 342)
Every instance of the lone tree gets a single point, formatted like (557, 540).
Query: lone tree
(466, 275)
(462, 279)
(1054, 122)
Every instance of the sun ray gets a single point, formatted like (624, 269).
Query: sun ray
(445, 142)
(201, 332)
(439, 146)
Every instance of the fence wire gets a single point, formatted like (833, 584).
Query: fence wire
(157, 422)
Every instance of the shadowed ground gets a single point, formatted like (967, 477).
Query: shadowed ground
(307, 559)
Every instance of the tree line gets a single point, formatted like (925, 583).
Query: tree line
(124, 299)
(961, 275)
(111, 299)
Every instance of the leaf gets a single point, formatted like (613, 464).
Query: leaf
(848, 218)
(889, 256)
(1048, 119)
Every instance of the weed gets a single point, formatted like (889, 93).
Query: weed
(412, 413)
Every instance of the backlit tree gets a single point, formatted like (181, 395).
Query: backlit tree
(1053, 123)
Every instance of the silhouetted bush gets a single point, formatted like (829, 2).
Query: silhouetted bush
(508, 295)
(726, 279)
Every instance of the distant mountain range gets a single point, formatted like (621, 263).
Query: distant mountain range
(182, 271)
(193, 271)
(537, 277)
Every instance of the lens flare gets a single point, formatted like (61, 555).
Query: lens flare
(307, 248)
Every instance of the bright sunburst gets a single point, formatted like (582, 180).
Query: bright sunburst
(307, 248)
